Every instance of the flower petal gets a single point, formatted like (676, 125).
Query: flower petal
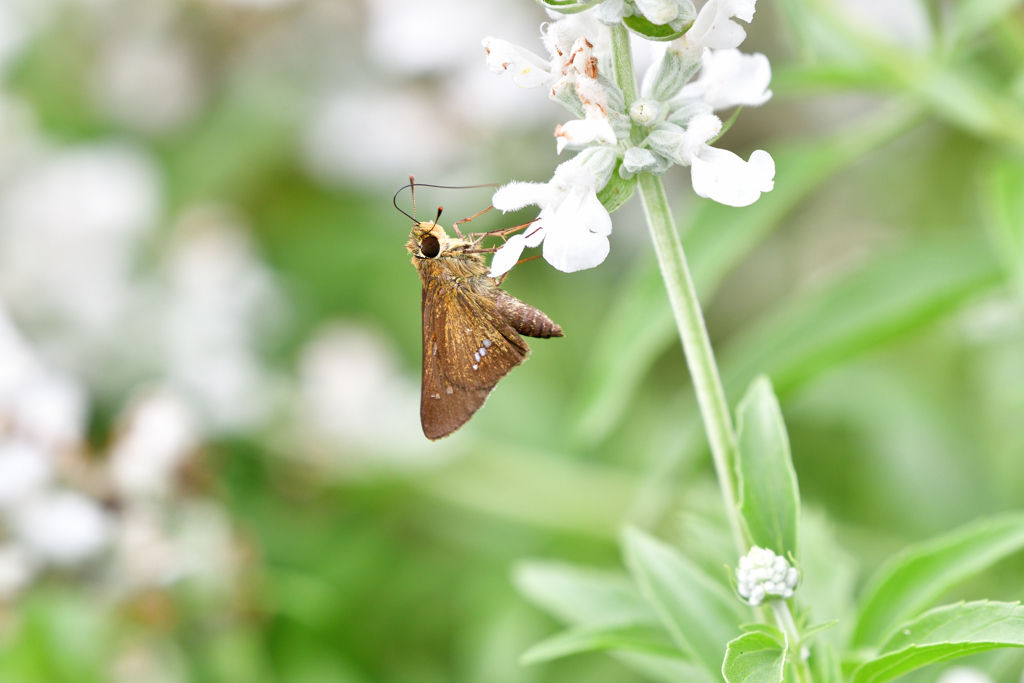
(714, 27)
(518, 194)
(701, 128)
(577, 233)
(507, 256)
(535, 233)
(584, 131)
(729, 78)
(528, 70)
(724, 177)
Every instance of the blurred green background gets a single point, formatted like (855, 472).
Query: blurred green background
(195, 203)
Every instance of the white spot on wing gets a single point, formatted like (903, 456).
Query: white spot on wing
(487, 343)
(475, 367)
(449, 391)
(483, 352)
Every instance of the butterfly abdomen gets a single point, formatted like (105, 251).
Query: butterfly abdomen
(526, 319)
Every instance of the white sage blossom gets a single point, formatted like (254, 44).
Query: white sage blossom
(671, 123)
(715, 28)
(573, 224)
(729, 78)
(764, 575)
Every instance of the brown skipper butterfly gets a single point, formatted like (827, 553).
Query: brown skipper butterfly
(472, 329)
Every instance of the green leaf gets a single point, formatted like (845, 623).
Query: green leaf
(647, 639)
(665, 669)
(755, 658)
(811, 631)
(769, 498)
(895, 294)
(659, 32)
(617, 191)
(700, 613)
(582, 595)
(766, 629)
(1001, 186)
(566, 6)
(919, 575)
(945, 633)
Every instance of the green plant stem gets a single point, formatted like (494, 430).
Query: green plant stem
(784, 619)
(689, 318)
(700, 357)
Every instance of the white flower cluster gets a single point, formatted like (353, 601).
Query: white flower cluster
(672, 123)
(763, 574)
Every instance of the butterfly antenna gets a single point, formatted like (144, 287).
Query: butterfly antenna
(439, 210)
(394, 200)
(413, 185)
(412, 189)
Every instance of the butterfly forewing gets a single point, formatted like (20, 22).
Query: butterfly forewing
(468, 346)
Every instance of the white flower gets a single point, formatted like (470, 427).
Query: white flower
(63, 527)
(714, 27)
(24, 470)
(729, 78)
(160, 433)
(763, 574)
(573, 224)
(716, 173)
(528, 70)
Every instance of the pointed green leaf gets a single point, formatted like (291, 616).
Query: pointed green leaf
(640, 25)
(812, 631)
(649, 639)
(755, 658)
(768, 493)
(700, 613)
(945, 633)
(918, 576)
(582, 595)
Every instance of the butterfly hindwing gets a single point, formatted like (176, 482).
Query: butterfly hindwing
(468, 346)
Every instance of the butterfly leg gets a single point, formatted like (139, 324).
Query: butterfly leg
(466, 220)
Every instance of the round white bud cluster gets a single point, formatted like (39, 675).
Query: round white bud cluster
(763, 574)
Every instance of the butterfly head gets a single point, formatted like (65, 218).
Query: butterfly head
(427, 240)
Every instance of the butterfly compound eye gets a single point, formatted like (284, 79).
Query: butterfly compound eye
(430, 247)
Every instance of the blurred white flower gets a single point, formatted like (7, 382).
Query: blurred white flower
(158, 435)
(146, 556)
(221, 302)
(903, 22)
(63, 527)
(36, 402)
(373, 134)
(729, 78)
(354, 400)
(25, 469)
(69, 230)
(411, 37)
(16, 570)
(963, 674)
(149, 84)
